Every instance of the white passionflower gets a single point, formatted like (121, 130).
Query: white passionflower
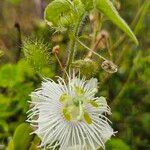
(68, 116)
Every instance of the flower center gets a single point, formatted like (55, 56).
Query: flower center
(74, 107)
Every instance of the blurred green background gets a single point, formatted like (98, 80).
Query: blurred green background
(127, 91)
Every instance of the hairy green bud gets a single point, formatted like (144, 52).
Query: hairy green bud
(87, 67)
(36, 53)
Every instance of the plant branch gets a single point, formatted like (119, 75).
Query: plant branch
(60, 64)
(73, 42)
(90, 49)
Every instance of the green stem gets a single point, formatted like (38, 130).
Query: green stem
(90, 49)
(71, 55)
(73, 42)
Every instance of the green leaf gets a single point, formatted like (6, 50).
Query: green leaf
(145, 120)
(12, 74)
(107, 8)
(59, 13)
(3, 125)
(9, 75)
(116, 144)
(35, 143)
(14, 2)
(11, 145)
(33, 147)
(22, 138)
(144, 11)
(88, 4)
(79, 9)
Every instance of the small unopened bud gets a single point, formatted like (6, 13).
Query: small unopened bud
(109, 66)
(104, 34)
(35, 51)
(56, 49)
(102, 39)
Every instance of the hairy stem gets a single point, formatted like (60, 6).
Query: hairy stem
(73, 42)
(72, 51)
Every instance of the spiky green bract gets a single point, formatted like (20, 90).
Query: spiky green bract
(87, 67)
(36, 53)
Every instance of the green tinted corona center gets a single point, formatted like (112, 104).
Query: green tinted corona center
(74, 109)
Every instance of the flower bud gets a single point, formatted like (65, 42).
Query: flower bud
(56, 49)
(87, 67)
(104, 34)
(109, 66)
(36, 53)
(102, 39)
